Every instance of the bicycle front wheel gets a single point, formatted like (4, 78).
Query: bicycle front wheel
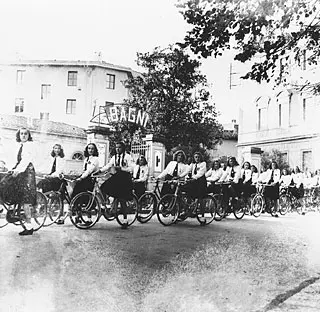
(284, 204)
(54, 208)
(147, 207)
(238, 208)
(3, 215)
(257, 204)
(126, 210)
(85, 210)
(168, 210)
(206, 210)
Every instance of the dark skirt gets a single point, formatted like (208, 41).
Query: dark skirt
(213, 188)
(167, 188)
(196, 188)
(84, 185)
(297, 192)
(49, 184)
(248, 189)
(139, 188)
(119, 185)
(272, 192)
(20, 189)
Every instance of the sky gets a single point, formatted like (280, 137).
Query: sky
(118, 29)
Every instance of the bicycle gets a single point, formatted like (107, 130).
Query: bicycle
(288, 202)
(224, 208)
(87, 207)
(260, 203)
(57, 201)
(14, 213)
(173, 206)
(148, 203)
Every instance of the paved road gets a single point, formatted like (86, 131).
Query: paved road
(264, 264)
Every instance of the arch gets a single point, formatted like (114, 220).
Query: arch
(263, 101)
(77, 156)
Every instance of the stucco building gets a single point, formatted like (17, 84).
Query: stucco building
(282, 118)
(59, 94)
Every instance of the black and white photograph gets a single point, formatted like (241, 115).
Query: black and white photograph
(160, 156)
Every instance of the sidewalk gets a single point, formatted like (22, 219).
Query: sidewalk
(307, 300)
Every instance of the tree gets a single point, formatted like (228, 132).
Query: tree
(175, 95)
(273, 155)
(267, 32)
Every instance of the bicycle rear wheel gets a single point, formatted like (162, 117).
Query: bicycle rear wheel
(206, 210)
(38, 212)
(257, 204)
(85, 210)
(147, 207)
(54, 207)
(126, 210)
(220, 207)
(168, 210)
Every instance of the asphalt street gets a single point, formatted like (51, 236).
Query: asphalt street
(253, 264)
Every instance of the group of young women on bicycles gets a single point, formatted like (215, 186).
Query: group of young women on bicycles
(18, 184)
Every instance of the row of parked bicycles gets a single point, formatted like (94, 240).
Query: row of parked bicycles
(86, 208)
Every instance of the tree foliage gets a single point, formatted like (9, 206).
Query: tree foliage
(175, 95)
(262, 31)
(273, 155)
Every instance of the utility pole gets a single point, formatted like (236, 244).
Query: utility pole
(231, 74)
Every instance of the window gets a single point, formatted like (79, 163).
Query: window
(110, 82)
(280, 117)
(77, 156)
(20, 76)
(284, 157)
(71, 107)
(19, 105)
(72, 78)
(45, 91)
(306, 160)
(304, 112)
(262, 118)
(44, 116)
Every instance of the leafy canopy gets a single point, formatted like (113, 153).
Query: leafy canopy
(263, 31)
(175, 95)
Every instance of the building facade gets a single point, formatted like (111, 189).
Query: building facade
(64, 94)
(283, 119)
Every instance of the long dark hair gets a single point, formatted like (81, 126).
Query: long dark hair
(144, 162)
(18, 135)
(61, 153)
(234, 161)
(95, 153)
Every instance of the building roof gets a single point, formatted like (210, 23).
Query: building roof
(40, 125)
(78, 63)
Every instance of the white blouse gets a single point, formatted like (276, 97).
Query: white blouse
(183, 169)
(90, 165)
(60, 167)
(27, 156)
(285, 180)
(227, 174)
(247, 173)
(276, 176)
(214, 175)
(201, 170)
(255, 177)
(126, 162)
(144, 173)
